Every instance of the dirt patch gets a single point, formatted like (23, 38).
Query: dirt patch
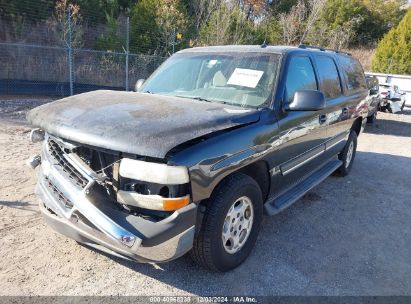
(16, 107)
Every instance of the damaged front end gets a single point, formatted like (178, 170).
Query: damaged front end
(134, 207)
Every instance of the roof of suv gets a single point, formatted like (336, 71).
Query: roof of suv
(279, 49)
(276, 49)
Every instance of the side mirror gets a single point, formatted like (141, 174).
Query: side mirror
(139, 83)
(307, 100)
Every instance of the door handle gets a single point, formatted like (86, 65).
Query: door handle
(345, 111)
(323, 118)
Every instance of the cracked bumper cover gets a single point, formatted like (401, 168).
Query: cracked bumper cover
(90, 221)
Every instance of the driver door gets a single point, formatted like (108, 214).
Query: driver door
(302, 133)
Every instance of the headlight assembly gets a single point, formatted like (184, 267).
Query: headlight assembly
(153, 172)
(153, 186)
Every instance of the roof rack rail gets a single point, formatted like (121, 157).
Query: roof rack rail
(306, 46)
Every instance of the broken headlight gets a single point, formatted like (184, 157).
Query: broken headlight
(153, 186)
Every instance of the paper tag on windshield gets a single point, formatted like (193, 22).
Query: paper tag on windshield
(245, 77)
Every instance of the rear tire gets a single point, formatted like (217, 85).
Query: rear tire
(347, 155)
(222, 242)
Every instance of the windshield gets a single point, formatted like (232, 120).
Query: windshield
(242, 79)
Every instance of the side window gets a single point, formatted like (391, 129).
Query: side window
(329, 79)
(353, 73)
(300, 76)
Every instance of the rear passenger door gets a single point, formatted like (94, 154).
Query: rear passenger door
(354, 87)
(337, 105)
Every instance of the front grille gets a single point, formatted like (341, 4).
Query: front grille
(58, 194)
(70, 171)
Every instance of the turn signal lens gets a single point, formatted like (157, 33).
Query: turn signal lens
(152, 202)
(171, 204)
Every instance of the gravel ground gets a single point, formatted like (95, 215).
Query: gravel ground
(348, 236)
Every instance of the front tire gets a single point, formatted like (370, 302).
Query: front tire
(347, 155)
(230, 224)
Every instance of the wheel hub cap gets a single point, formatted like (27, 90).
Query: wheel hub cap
(237, 225)
(349, 154)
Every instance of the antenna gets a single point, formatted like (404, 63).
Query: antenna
(264, 45)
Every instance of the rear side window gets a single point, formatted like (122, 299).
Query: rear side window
(300, 76)
(353, 74)
(329, 78)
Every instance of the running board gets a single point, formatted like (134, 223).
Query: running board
(277, 204)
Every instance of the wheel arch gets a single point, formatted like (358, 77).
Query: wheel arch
(258, 171)
(356, 126)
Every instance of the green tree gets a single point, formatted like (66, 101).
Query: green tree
(282, 6)
(33, 11)
(111, 40)
(389, 13)
(231, 25)
(144, 29)
(393, 54)
(171, 19)
(94, 11)
(352, 14)
(155, 26)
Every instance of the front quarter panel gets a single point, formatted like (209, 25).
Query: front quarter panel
(215, 158)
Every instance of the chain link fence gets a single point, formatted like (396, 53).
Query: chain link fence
(59, 56)
(45, 70)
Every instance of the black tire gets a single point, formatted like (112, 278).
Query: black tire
(208, 249)
(345, 168)
(371, 119)
(388, 107)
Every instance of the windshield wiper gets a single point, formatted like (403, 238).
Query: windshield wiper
(202, 99)
(194, 97)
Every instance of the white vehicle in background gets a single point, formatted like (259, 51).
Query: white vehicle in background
(393, 99)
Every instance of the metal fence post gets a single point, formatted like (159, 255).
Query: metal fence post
(70, 53)
(174, 40)
(127, 47)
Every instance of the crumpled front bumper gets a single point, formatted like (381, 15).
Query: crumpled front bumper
(87, 217)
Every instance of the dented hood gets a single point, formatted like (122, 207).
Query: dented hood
(138, 123)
